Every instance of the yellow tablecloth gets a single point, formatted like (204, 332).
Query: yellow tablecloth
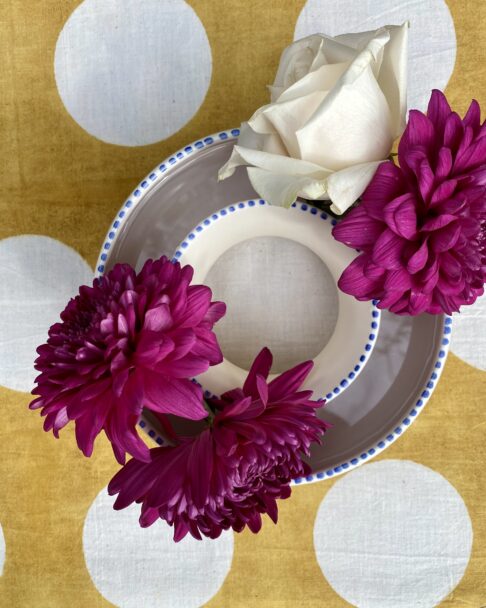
(60, 181)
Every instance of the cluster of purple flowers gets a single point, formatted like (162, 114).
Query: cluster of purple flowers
(134, 341)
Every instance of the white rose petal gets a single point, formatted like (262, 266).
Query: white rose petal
(282, 189)
(274, 186)
(393, 77)
(393, 72)
(274, 163)
(354, 121)
(288, 117)
(268, 143)
(323, 79)
(296, 61)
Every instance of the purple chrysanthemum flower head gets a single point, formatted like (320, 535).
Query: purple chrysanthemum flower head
(421, 227)
(236, 468)
(130, 340)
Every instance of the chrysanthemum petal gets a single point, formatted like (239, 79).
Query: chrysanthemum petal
(158, 319)
(215, 312)
(446, 238)
(453, 132)
(261, 366)
(206, 345)
(444, 163)
(188, 366)
(352, 233)
(419, 258)
(200, 468)
(473, 116)
(167, 395)
(290, 381)
(387, 251)
(387, 183)
(356, 283)
(435, 223)
(400, 216)
(198, 302)
(438, 109)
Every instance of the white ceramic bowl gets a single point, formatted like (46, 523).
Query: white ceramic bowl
(404, 367)
(345, 354)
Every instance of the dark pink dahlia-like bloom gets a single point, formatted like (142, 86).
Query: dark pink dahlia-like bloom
(421, 227)
(237, 467)
(130, 340)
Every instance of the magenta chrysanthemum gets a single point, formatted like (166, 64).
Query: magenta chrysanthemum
(237, 467)
(127, 341)
(421, 227)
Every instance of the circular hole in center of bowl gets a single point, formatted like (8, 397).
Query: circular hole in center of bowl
(278, 294)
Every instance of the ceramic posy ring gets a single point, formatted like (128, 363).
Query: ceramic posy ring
(347, 351)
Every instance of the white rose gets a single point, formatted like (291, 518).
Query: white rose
(337, 104)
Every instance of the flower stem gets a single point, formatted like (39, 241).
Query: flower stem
(210, 412)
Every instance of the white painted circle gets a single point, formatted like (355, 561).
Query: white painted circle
(468, 334)
(132, 567)
(393, 533)
(432, 38)
(2, 550)
(132, 73)
(335, 367)
(38, 276)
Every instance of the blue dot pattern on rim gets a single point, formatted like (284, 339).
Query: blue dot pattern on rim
(150, 181)
(304, 207)
(406, 422)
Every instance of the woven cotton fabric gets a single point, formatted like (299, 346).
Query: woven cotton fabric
(95, 94)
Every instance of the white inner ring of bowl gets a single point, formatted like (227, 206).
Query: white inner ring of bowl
(278, 294)
(349, 342)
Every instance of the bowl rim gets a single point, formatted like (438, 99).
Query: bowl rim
(150, 181)
(124, 212)
(221, 217)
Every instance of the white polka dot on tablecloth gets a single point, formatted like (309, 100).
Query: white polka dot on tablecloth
(132, 73)
(38, 276)
(133, 567)
(432, 38)
(469, 334)
(2, 550)
(393, 534)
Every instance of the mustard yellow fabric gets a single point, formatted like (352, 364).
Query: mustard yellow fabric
(58, 180)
